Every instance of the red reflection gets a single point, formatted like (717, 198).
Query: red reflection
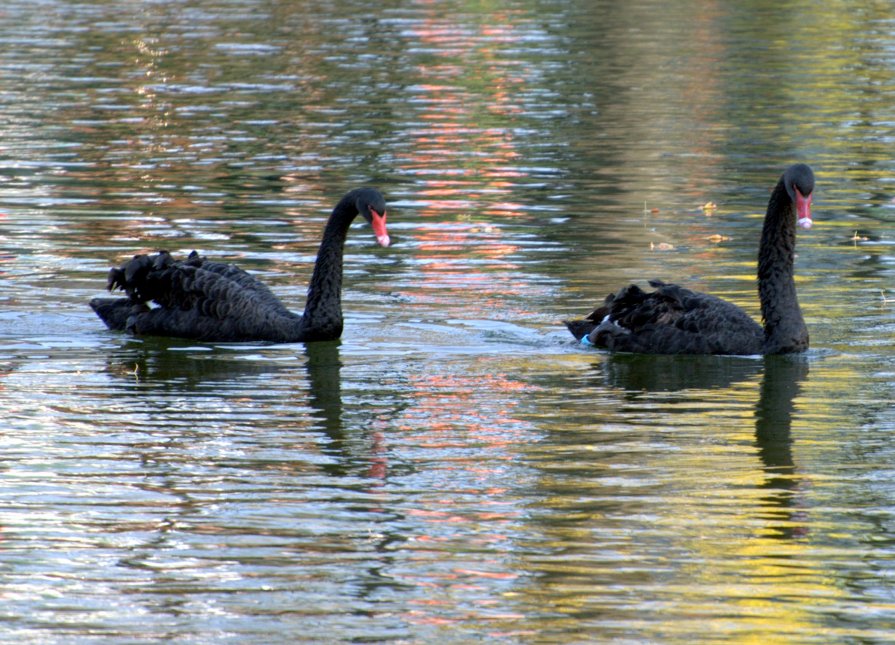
(463, 156)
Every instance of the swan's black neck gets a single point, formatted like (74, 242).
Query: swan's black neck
(784, 327)
(322, 319)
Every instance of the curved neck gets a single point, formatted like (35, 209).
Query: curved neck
(322, 319)
(784, 327)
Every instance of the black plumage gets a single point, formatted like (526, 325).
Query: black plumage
(212, 301)
(675, 320)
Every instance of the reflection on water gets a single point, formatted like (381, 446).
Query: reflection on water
(780, 386)
(680, 492)
(325, 387)
(635, 372)
(455, 468)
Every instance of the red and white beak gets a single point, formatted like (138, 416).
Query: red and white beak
(803, 210)
(379, 230)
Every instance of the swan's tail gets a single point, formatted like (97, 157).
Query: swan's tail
(130, 277)
(114, 312)
(580, 328)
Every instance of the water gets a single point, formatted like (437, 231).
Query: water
(455, 468)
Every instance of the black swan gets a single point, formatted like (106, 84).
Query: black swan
(211, 301)
(674, 320)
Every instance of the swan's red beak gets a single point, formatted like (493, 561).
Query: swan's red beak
(379, 230)
(803, 210)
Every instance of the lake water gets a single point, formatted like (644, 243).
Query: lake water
(456, 468)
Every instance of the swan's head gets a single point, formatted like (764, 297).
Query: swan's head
(799, 182)
(371, 205)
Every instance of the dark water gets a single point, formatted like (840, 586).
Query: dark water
(455, 469)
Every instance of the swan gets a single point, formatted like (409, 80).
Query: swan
(211, 301)
(675, 320)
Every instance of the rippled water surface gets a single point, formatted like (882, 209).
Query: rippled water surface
(456, 468)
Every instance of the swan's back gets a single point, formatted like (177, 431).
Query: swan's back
(195, 299)
(669, 320)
